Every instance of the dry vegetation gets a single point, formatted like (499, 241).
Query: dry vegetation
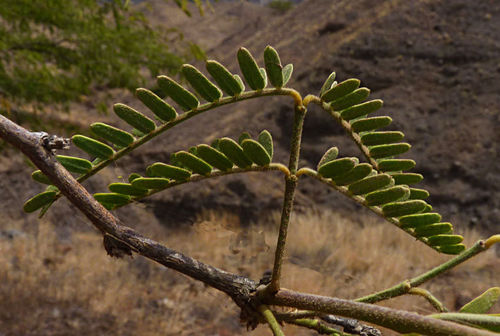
(70, 287)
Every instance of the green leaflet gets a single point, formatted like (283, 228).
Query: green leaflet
(287, 73)
(126, 189)
(134, 118)
(482, 321)
(158, 106)
(250, 70)
(74, 164)
(240, 82)
(418, 220)
(112, 134)
(452, 249)
(172, 172)
(38, 201)
(359, 172)
(387, 195)
(359, 110)
(337, 167)
(201, 84)
(340, 90)
(92, 146)
(150, 182)
(428, 208)
(390, 165)
(256, 152)
(370, 124)
(380, 138)
(418, 193)
(244, 136)
(405, 208)
(330, 155)
(266, 140)
(40, 177)
(273, 66)
(234, 152)
(351, 99)
(214, 157)
(194, 163)
(383, 151)
(329, 83)
(227, 82)
(180, 95)
(370, 183)
(483, 303)
(433, 229)
(407, 178)
(114, 199)
(444, 239)
(264, 75)
(133, 176)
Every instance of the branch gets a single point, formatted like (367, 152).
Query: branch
(397, 320)
(123, 238)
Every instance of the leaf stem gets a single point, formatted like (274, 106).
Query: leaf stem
(290, 186)
(271, 320)
(429, 297)
(405, 286)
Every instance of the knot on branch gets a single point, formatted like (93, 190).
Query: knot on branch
(116, 248)
(53, 142)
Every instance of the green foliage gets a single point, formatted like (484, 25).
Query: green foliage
(381, 184)
(55, 51)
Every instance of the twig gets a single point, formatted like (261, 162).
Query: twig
(397, 320)
(313, 324)
(351, 326)
(405, 286)
(271, 320)
(429, 297)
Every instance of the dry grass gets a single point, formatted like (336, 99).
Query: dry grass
(53, 287)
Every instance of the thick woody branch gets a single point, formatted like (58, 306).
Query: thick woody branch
(31, 144)
(400, 321)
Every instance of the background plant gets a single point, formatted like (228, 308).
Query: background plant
(57, 51)
(381, 184)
